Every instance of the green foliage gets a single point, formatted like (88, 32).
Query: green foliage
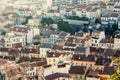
(111, 29)
(26, 20)
(3, 33)
(98, 21)
(78, 18)
(36, 43)
(116, 75)
(62, 26)
(85, 29)
(47, 21)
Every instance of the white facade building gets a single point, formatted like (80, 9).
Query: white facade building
(55, 69)
(117, 42)
(44, 48)
(97, 36)
(28, 32)
(12, 40)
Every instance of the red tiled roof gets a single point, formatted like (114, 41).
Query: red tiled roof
(53, 54)
(37, 37)
(114, 15)
(63, 34)
(81, 6)
(77, 70)
(88, 9)
(107, 41)
(20, 29)
(81, 57)
(94, 74)
(57, 75)
(94, 10)
(108, 70)
(29, 50)
(109, 52)
(117, 7)
(110, 15)
(56, 54)
(103, 61)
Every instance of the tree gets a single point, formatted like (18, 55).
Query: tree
(97, 21)
(62, 26)
(3, 33)
(85, 28)
(26, 20)
(116, 75)
(47, 21)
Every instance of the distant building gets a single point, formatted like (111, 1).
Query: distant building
(97, 36)
(119, 23)
(117, 41)
(44, 48)
(28, 32)
(110, 18)
(14, 41)
(77, 72)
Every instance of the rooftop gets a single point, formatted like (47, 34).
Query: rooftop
(103, 61)
(93, 74)
(109, 52)
(108, 70)
(82, 57)
(107, 41)
(77, 70)
(57, 75)
(45, 45)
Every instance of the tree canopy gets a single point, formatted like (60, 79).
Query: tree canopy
(46, 21)
(62, 26)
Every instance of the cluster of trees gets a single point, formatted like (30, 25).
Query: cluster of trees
(26, 20)
(63, 26)
(3, 33)
(46, 21)
(116, 75)
(77, 18)
(110, 30)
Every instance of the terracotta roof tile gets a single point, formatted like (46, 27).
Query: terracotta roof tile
(108, 70)
(57, 75)
(103, 61)
(77, 70)
(80, 57)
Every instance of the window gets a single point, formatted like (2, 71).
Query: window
(33, 73)
(102, 44)
(95, 41)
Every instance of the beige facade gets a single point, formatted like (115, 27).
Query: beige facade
(11, 40)
(77, 76)
(84, 63)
